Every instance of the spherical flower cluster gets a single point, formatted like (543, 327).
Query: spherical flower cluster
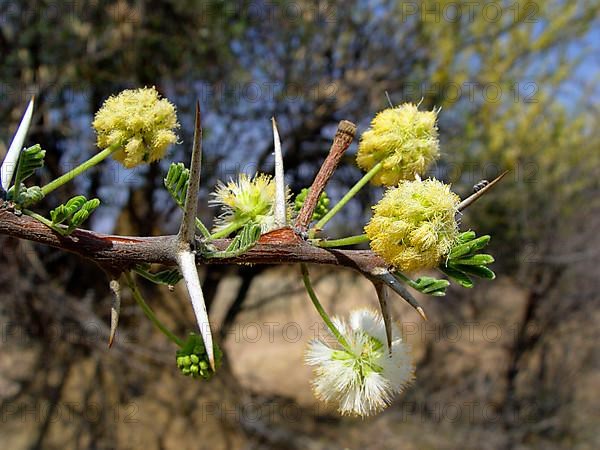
(246, 200)
(414, 225)
(140, 123)
(404, 139)
(362, 380)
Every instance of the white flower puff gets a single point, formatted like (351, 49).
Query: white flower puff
(364, 381)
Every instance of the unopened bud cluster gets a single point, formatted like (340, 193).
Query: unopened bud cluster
(322, 207)
(192, 359)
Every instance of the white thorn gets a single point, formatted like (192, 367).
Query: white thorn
(187, 264)
(12, 156)
(115, 310)
(280, 203)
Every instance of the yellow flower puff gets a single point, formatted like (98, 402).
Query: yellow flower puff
(247, 199)
(414, 225)
(138, 121)
(405, 139)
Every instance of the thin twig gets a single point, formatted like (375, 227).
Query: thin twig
(342, 140)
(477, 195)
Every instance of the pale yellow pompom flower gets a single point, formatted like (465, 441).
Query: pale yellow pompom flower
(246, 200)
(138, 121)
(404, 139)
(414, 225)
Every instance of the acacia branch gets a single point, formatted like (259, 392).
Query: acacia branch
(121, 253)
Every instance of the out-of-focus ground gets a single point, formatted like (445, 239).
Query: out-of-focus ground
(123, 398)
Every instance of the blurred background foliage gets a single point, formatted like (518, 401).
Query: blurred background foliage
(518, 85)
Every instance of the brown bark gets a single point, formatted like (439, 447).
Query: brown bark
(119, 253)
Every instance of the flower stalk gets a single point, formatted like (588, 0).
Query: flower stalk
(148, 311)
(346, 198)
(317, 304)
(350, 240)
(71, 174)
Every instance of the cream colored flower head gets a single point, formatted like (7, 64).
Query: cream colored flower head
(245, 200)
(364, 379)
(138, 121)
(405, 139)
(414, 225)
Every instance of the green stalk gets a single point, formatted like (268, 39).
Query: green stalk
(351, 193)
(350, 240)
(48, 223)
(149, 313)
(406, 279)
(97, 158)
(313, 296)
(233, 226)
(202, 228)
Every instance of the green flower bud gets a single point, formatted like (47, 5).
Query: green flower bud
(192, 359)
(322, 207)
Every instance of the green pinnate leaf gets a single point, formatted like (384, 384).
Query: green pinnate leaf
(30, 160)
(437, 288)
(168, 277)
(469, 247)
(66, 211)
(74, 213)
(429, 285)
(479, 271)
(474, 260)
(466, 237)
(458, 276)
(176, 182)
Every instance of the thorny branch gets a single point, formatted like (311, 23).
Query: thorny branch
(117, 254)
